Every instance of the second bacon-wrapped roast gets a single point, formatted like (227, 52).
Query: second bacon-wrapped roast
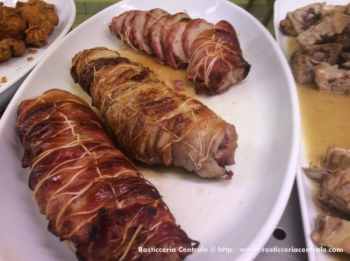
(151, 122)
(215, 63)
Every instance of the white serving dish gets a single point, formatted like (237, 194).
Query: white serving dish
(241, 213)
(305, 186)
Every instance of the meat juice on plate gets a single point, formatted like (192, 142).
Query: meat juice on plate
(325, 122)
(167, 73)
(325, 116)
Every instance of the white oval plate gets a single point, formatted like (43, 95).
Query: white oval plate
(17, 68)
(305, 186)
(241, 213)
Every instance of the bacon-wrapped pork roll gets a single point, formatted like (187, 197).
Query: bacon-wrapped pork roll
(92, 195)
(151, 122)
(215, 64)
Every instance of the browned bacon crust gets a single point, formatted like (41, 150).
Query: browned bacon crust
(91, 194)
(153, 123)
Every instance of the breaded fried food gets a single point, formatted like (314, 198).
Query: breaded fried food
(41, 20)
(11, 47)
(5, 52)
(11, 23)
(17, 47)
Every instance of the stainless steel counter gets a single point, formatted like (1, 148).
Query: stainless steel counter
(288, 234)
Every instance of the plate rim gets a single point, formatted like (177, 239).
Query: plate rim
(291, 168)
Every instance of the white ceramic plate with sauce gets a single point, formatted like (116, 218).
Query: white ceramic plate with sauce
(240, 213)
(305, 187)
(17, 68)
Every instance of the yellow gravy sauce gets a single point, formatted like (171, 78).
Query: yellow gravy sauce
(325, 119)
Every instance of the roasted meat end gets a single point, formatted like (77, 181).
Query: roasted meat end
(332, 79)
(174, 50)
(216, 61)
(336, 158)
(328, 27)
(303, 61)
(301, 19)
(332, 232)
(170, 37)
(12, 24)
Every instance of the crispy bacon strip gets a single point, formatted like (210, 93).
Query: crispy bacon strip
(151, 122)
(91, 194)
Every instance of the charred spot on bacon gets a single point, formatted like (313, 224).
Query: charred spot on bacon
(215, 64)
(92, 195)
(151, 122)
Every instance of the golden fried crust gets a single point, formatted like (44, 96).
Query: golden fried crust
(5, 52)
(18, 48)
(41, 20)
(11, 23)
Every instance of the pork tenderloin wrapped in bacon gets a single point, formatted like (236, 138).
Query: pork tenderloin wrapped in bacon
(215, 63)
(151, 122)
(91, 194)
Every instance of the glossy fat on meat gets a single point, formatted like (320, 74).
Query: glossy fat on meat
(193, 28)
(174, 49)
(155, 39)
(91, 194)
(137, 26)
(152, 16)
(155, 124)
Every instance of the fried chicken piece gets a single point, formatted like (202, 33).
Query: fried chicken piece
(5, 52)
(11, 23)
(11, 47)
(18, 48)
(41, 19)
